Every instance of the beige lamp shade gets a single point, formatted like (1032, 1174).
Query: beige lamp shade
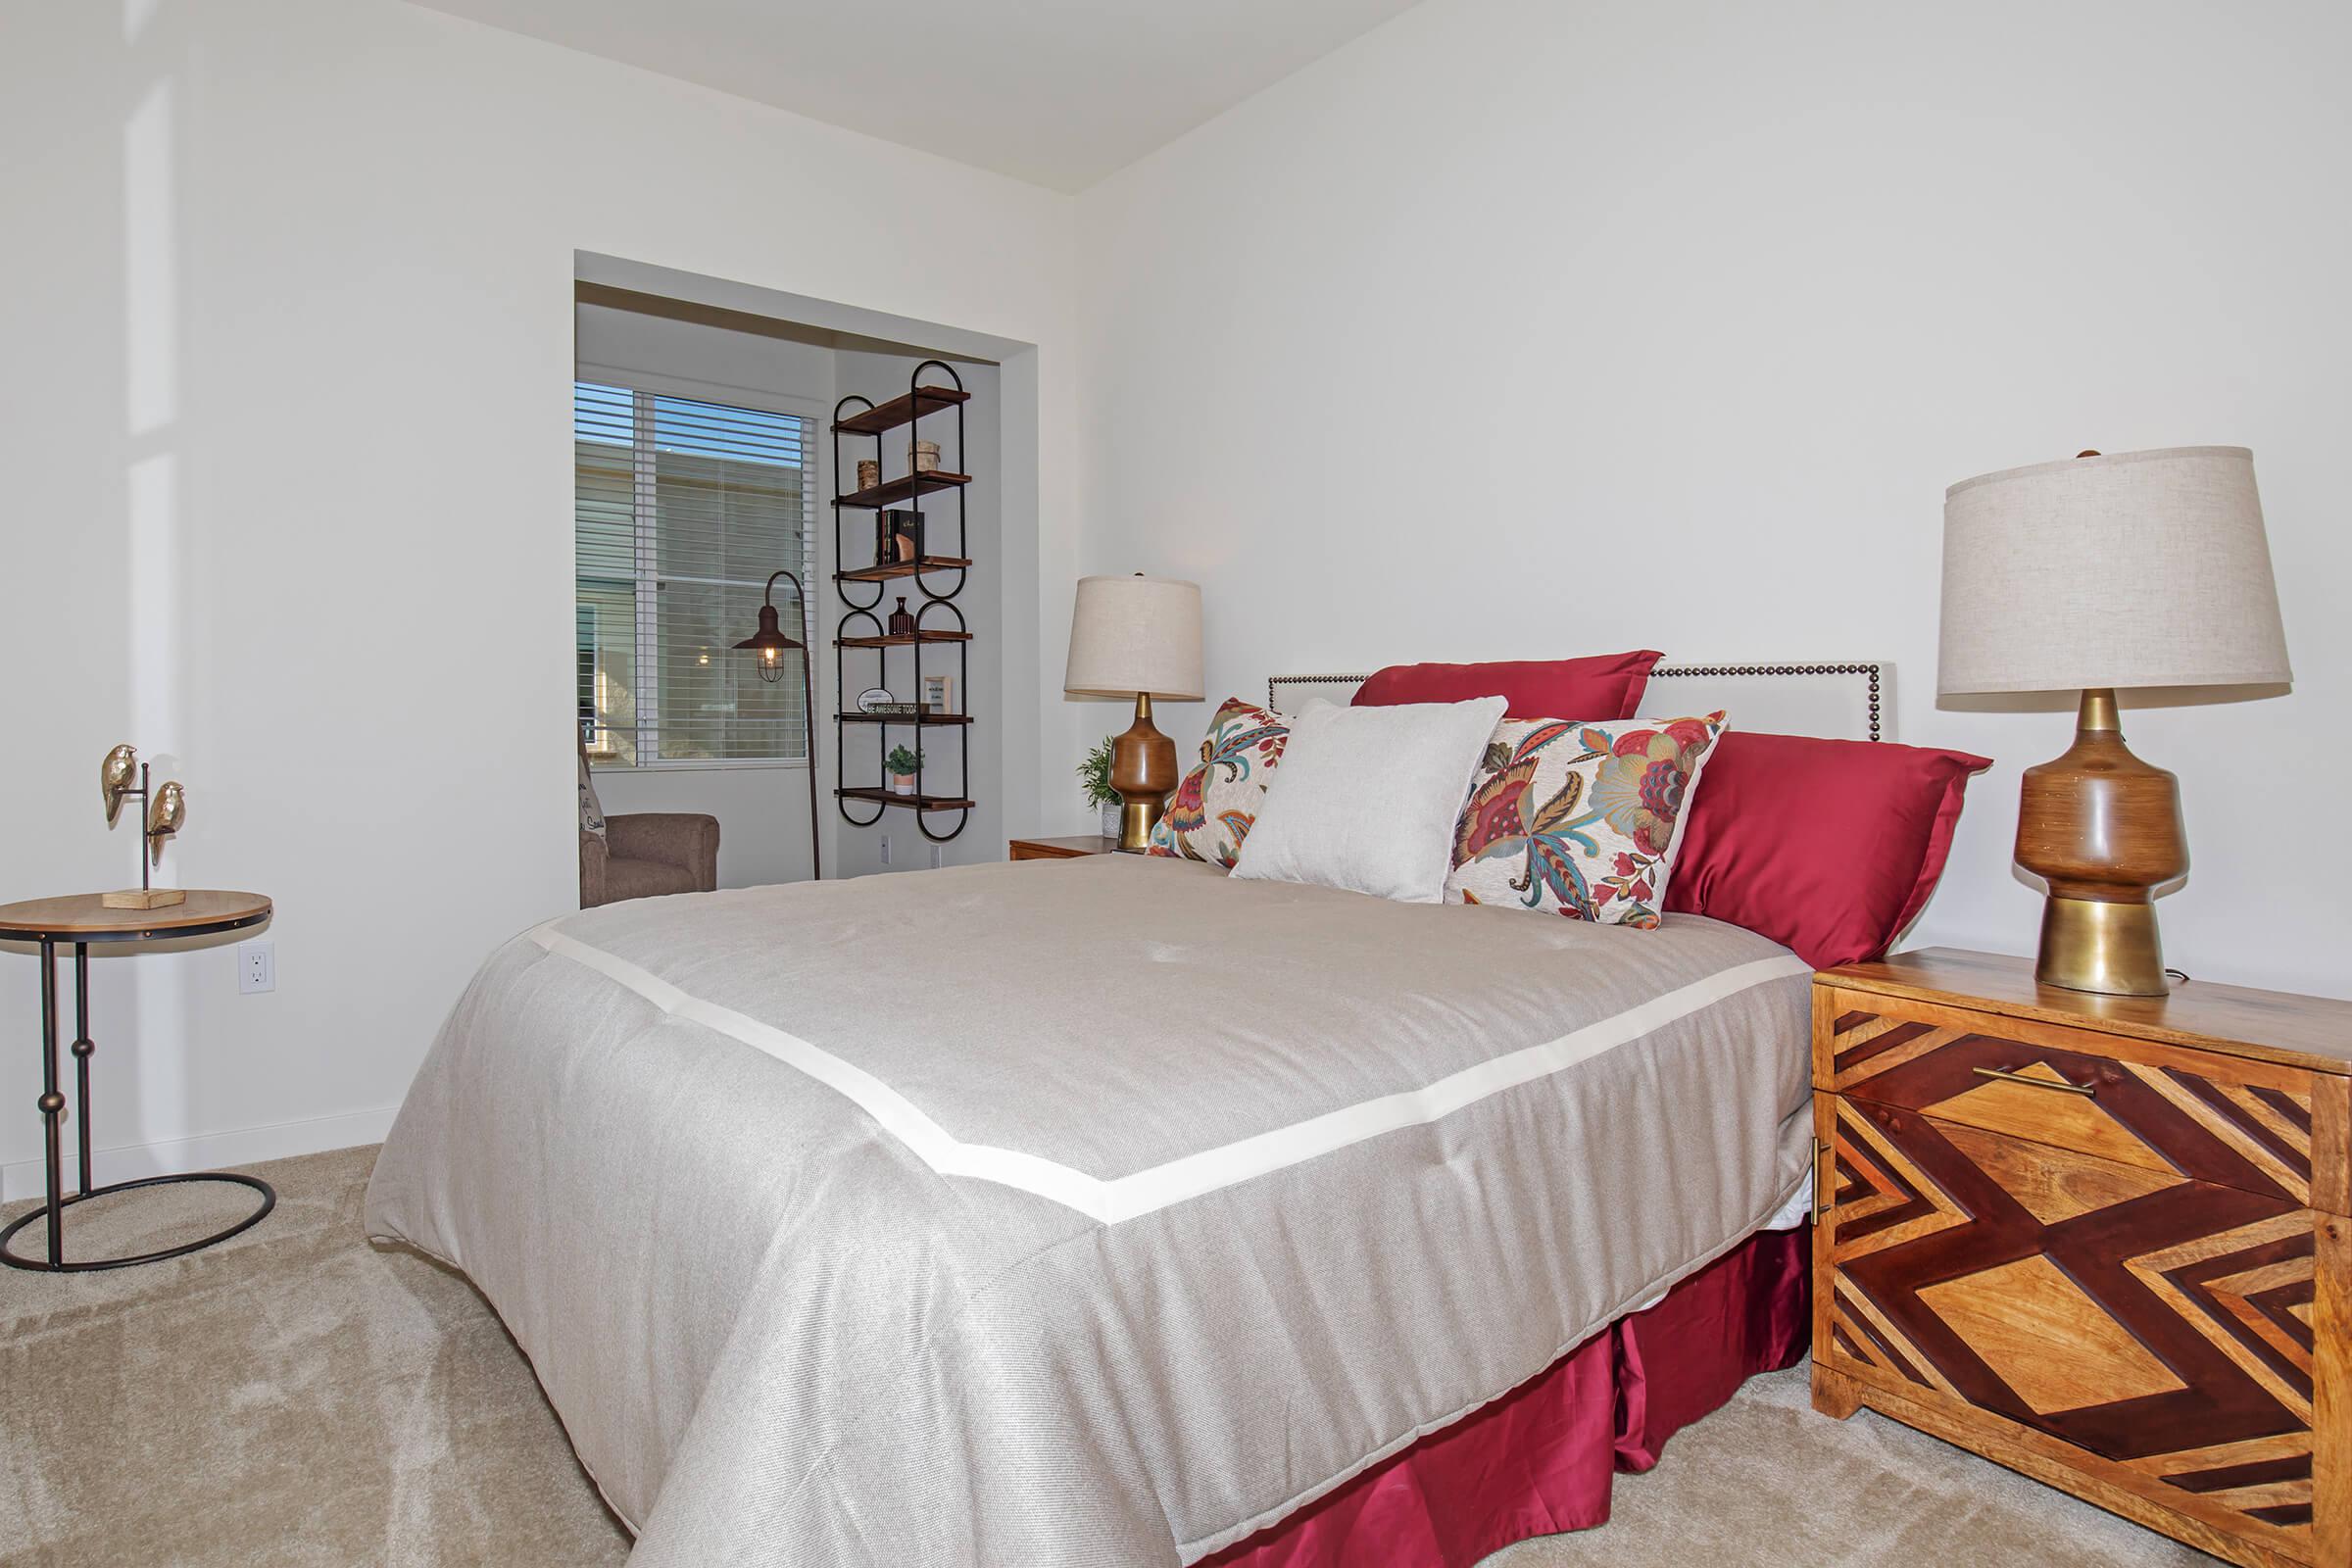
(2143, 568)
(1135, 634)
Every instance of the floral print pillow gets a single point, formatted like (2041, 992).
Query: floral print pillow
(1578, 818)
(1215, 805)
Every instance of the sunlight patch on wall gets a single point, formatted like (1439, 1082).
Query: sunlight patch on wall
(152, 618)
(150, 265)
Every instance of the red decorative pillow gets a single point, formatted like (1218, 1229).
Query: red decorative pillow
(1606, 686)
(1826, 846)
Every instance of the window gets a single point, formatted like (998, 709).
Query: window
(680, 511)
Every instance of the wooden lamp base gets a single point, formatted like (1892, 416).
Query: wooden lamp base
(142, 899)
(2102, 829)
(1143, 769)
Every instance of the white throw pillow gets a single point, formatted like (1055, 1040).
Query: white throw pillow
(592, 810)
(1366, 798)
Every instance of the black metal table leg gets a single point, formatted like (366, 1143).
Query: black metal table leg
(57, 1266)
(53, 1115)
(82, 1047)
(83, 920)
(52, 1104)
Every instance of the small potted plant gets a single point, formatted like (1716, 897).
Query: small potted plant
(900, 764)
(1093, 778)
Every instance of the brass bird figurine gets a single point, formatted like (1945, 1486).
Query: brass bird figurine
(165, 815)
(115, 775)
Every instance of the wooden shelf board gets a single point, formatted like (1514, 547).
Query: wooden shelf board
(905, 487)
(904, 719)
(920, 803)
(904, 409)
(903, 568)
(898, 642)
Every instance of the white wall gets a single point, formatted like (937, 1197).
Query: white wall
(1518, 328)
(287, 308)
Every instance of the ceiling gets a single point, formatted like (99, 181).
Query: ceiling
(1056, 92)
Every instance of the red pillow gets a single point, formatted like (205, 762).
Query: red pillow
(1605, 686)
(1826, 846)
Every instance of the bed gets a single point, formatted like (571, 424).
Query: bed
(1163, 1221)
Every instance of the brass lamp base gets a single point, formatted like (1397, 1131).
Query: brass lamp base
(2108, 948)
(1137, 820)
(1143, 769)
(2102, 829)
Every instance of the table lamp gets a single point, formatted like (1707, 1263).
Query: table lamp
(1137, 637)
(2141, 568)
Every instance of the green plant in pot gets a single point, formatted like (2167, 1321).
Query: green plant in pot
(900, 764)
(1094, 780)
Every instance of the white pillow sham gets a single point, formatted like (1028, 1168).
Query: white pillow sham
(1366, 798)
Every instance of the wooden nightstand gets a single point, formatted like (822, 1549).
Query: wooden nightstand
(1062, 849)
(2098, 1240)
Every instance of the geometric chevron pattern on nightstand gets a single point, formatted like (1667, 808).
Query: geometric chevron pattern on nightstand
(2049, 1341)
(2095, 1257)
(2121, 1328)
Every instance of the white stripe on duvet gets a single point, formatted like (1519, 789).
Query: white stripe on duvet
(1145, 1192)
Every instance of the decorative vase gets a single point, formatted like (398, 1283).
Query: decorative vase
(902, 620)
(1111, 820)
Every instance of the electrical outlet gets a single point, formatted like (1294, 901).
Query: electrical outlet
(937, 856)
(885, 848)
(256, 965)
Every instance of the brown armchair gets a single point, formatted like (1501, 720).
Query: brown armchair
(645, 853)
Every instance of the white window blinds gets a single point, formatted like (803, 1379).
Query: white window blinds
(680, 511)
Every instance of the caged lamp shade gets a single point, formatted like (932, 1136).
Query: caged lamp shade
(2143, 568)
(770, 644)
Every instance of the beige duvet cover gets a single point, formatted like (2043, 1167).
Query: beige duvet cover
(1089, 1211)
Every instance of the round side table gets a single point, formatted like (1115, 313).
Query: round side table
(82, 919)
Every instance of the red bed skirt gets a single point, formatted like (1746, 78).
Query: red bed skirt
(1538, 1460)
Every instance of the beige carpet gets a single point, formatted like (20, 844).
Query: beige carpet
(297, 1396)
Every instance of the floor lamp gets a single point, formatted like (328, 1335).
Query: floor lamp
(771, 645)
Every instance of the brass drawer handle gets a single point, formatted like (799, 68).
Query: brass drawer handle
(2087, 1091)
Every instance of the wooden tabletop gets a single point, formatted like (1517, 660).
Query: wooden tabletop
(1063, 848)
(2310, 1032)
(79, 915)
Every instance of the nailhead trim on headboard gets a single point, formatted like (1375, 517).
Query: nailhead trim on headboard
(1871, 670)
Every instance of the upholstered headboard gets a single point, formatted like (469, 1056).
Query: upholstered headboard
(1847, 701)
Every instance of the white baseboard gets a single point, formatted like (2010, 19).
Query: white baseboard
(205, 1152)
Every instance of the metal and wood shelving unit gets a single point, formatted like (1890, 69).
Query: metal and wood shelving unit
(938, 623)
